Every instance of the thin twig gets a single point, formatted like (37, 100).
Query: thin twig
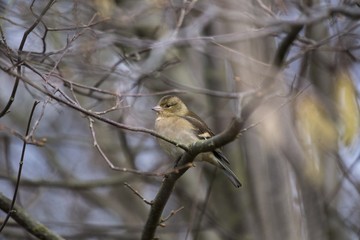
(137, 193)
(37, 122)
(11, 209)
(23, 40)
(122, 169)
(32, 140)
(111, 109)
(72, 105)
(172, 213)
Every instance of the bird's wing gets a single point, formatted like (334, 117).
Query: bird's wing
(204, 132)
(200, 128)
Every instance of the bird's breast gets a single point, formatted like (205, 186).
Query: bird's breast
(175, 129)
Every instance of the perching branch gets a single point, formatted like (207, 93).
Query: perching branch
(168, 184)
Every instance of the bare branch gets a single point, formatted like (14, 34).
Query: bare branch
(89, 113)
(23, 40)
(169, 182)
(172, 213)
(11, 208)
(137, 193)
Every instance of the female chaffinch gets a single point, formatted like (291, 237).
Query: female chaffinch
(176, 122)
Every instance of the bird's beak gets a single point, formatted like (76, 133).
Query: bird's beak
(157, 108)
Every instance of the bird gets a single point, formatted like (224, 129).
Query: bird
(177, 123)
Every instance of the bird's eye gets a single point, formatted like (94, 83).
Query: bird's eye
(168, 105)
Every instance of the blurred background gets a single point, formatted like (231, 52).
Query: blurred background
(297, 156)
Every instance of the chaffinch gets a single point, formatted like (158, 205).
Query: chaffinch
(176, 122)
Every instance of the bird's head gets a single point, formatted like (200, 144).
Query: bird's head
(170, 106)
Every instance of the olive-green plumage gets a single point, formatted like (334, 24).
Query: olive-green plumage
(176, 122)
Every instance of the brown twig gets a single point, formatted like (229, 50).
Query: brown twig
(31, 140)
(169, 183)
(73, 105)
(11, 208)
(137, 193)
(172, 213)
(23, 40)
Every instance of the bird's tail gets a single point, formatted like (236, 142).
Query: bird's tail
(231, 176)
